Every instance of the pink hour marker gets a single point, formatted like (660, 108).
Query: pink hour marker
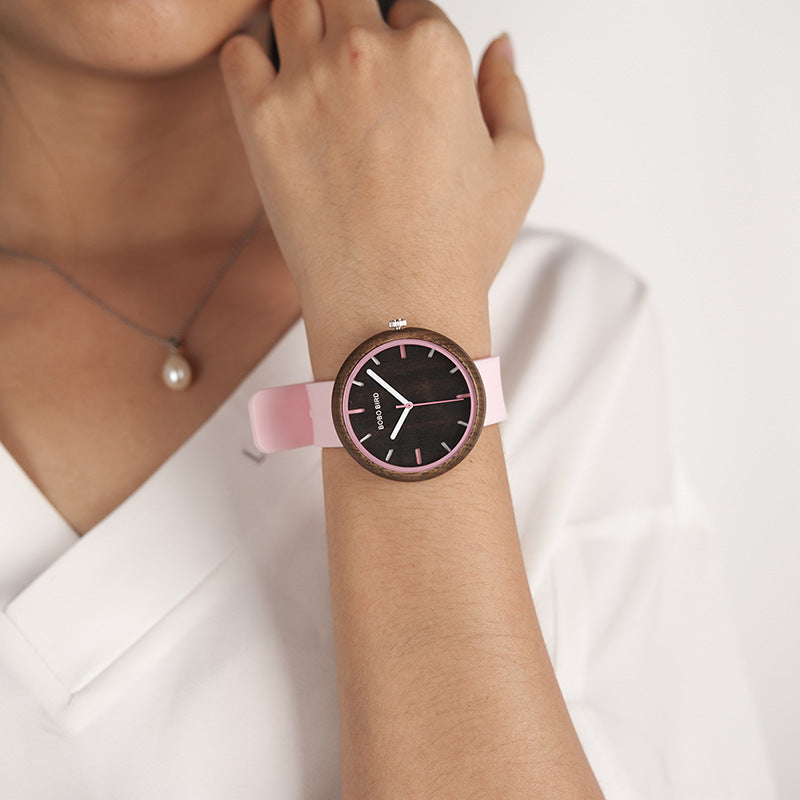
(402, 351)
(356, 410)
(418, 455)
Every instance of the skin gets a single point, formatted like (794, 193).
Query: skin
(136, 183)
(393, 185)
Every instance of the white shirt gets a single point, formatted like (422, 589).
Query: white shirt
(183, 648)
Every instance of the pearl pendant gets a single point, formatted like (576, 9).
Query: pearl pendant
(176, 372)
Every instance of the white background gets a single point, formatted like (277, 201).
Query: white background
(671, 133)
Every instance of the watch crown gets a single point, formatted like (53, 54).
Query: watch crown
(396, 324)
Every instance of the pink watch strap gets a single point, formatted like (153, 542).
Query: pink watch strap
(286, 417)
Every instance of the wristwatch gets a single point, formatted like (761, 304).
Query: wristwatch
(407, 404)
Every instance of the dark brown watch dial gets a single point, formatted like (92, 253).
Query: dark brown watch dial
(408, 404)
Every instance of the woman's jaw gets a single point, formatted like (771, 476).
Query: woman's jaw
(126, 39)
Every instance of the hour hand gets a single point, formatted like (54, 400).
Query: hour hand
(374, 375)
(406, 412)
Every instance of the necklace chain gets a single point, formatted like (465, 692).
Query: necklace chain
(173, 342)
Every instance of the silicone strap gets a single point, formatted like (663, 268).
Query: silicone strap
(286, 417)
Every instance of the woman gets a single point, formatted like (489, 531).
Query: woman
(167, 631)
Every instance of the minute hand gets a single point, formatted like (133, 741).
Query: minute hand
(388, 388)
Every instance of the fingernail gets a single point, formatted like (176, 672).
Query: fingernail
(506, 47)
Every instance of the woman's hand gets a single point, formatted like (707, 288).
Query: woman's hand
(382, 168)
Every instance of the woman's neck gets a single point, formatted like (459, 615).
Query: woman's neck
(95, 165)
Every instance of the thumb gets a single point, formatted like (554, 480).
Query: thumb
(502, 96)
(248, 73)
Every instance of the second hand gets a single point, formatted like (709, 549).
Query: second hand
(434, 402)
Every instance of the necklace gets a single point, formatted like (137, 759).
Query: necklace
(176, 371)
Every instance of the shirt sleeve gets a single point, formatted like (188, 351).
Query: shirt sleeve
(622, 557)
(647, 655)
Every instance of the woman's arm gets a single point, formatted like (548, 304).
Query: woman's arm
(395, 188)
(445, 685)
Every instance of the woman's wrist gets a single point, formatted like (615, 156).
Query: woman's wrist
(333, 332)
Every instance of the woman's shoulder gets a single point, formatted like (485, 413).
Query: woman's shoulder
(550, 270)
(566, 316)
(583, 374)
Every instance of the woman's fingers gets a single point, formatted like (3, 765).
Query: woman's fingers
(503, 101)
(506, 114)
(404, 13)
(248, 75)
(298, 26)
(339, 15)
(246, 70)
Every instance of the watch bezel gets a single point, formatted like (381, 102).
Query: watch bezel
(458, 454)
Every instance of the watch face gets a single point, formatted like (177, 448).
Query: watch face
(410, 407)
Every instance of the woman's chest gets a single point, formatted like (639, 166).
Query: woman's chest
(89, 419)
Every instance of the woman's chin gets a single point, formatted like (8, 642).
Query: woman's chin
(134, 38)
